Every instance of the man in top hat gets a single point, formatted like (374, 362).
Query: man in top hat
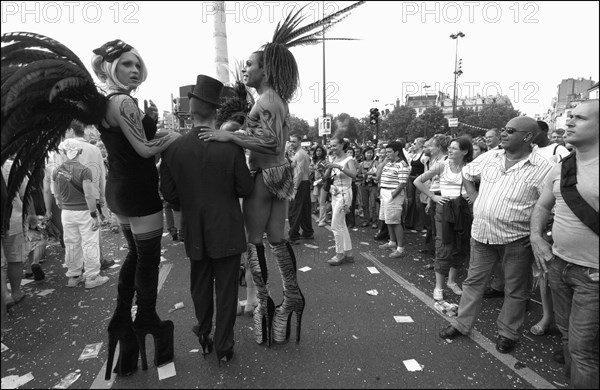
(207, 179)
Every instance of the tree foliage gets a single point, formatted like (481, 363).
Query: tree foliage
(493, 115)
(396, 123)
(432, 121)
(298, 126)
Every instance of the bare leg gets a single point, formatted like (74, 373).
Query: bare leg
(452, 275)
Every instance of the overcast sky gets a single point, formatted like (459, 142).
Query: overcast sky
(519, 49)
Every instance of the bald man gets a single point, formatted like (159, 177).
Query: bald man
(511, 181)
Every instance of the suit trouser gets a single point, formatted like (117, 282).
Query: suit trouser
(299, 212)
(222, 275)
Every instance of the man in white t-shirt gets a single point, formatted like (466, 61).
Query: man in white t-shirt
(553, 152)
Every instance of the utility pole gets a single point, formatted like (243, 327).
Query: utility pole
(324, 89)
(220, 36)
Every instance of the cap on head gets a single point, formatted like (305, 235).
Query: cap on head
(112, 50)
(71, 147)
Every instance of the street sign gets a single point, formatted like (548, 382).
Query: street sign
(452, 122)
(324, 123)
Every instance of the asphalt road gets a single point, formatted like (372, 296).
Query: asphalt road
(349, 339)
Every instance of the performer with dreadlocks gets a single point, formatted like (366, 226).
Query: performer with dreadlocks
(273, 72)
(132, 195)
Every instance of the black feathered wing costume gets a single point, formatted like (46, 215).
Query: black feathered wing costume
(44, 87)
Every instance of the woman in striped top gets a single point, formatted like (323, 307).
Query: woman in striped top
(451, 247)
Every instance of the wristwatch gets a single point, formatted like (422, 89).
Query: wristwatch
(94, 214)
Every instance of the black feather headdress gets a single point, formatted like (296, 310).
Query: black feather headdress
(236, 100)
(44, 87)
(280, 66)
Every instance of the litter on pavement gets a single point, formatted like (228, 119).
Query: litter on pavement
(16, 381)
(90, 351)
(412, 365)
(178, 305)
(373, 270)
(401, 319)
(304, 269)
(311, 246)
(449, 309)
(45, 292)
(372, 292)
(166, 371)
(67, 381)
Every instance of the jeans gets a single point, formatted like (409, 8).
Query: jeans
(299, 215)
(575, 299)
(368, 195)
(516, 258)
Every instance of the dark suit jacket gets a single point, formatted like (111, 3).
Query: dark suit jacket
(207, 179)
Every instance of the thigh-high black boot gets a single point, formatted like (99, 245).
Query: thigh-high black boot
(120, 327)
(146, 286)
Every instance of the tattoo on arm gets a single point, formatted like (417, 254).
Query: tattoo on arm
(130, 113)
(262, 135)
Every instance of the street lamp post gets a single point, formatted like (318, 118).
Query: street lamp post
(457, 72)
(425, 126)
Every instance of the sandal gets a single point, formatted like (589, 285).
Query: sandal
(537, 330)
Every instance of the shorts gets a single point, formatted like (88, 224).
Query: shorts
(133, 197)
(12, 248)
(391, 209)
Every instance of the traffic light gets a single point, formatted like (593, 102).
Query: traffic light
(374, 116)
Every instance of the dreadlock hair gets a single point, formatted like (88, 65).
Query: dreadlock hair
(281, 69)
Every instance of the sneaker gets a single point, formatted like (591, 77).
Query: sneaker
(74, 281)
(321, 224)
(309, 237)
(335, 261)
(455, 288)
(104, 264)
(438, 294)
(97, 281)
(389, 245)
(349, 259)
(396, 254)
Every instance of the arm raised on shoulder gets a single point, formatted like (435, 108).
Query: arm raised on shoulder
(123, 110)
(263, 135)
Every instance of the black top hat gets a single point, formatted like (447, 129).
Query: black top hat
(207, 89)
